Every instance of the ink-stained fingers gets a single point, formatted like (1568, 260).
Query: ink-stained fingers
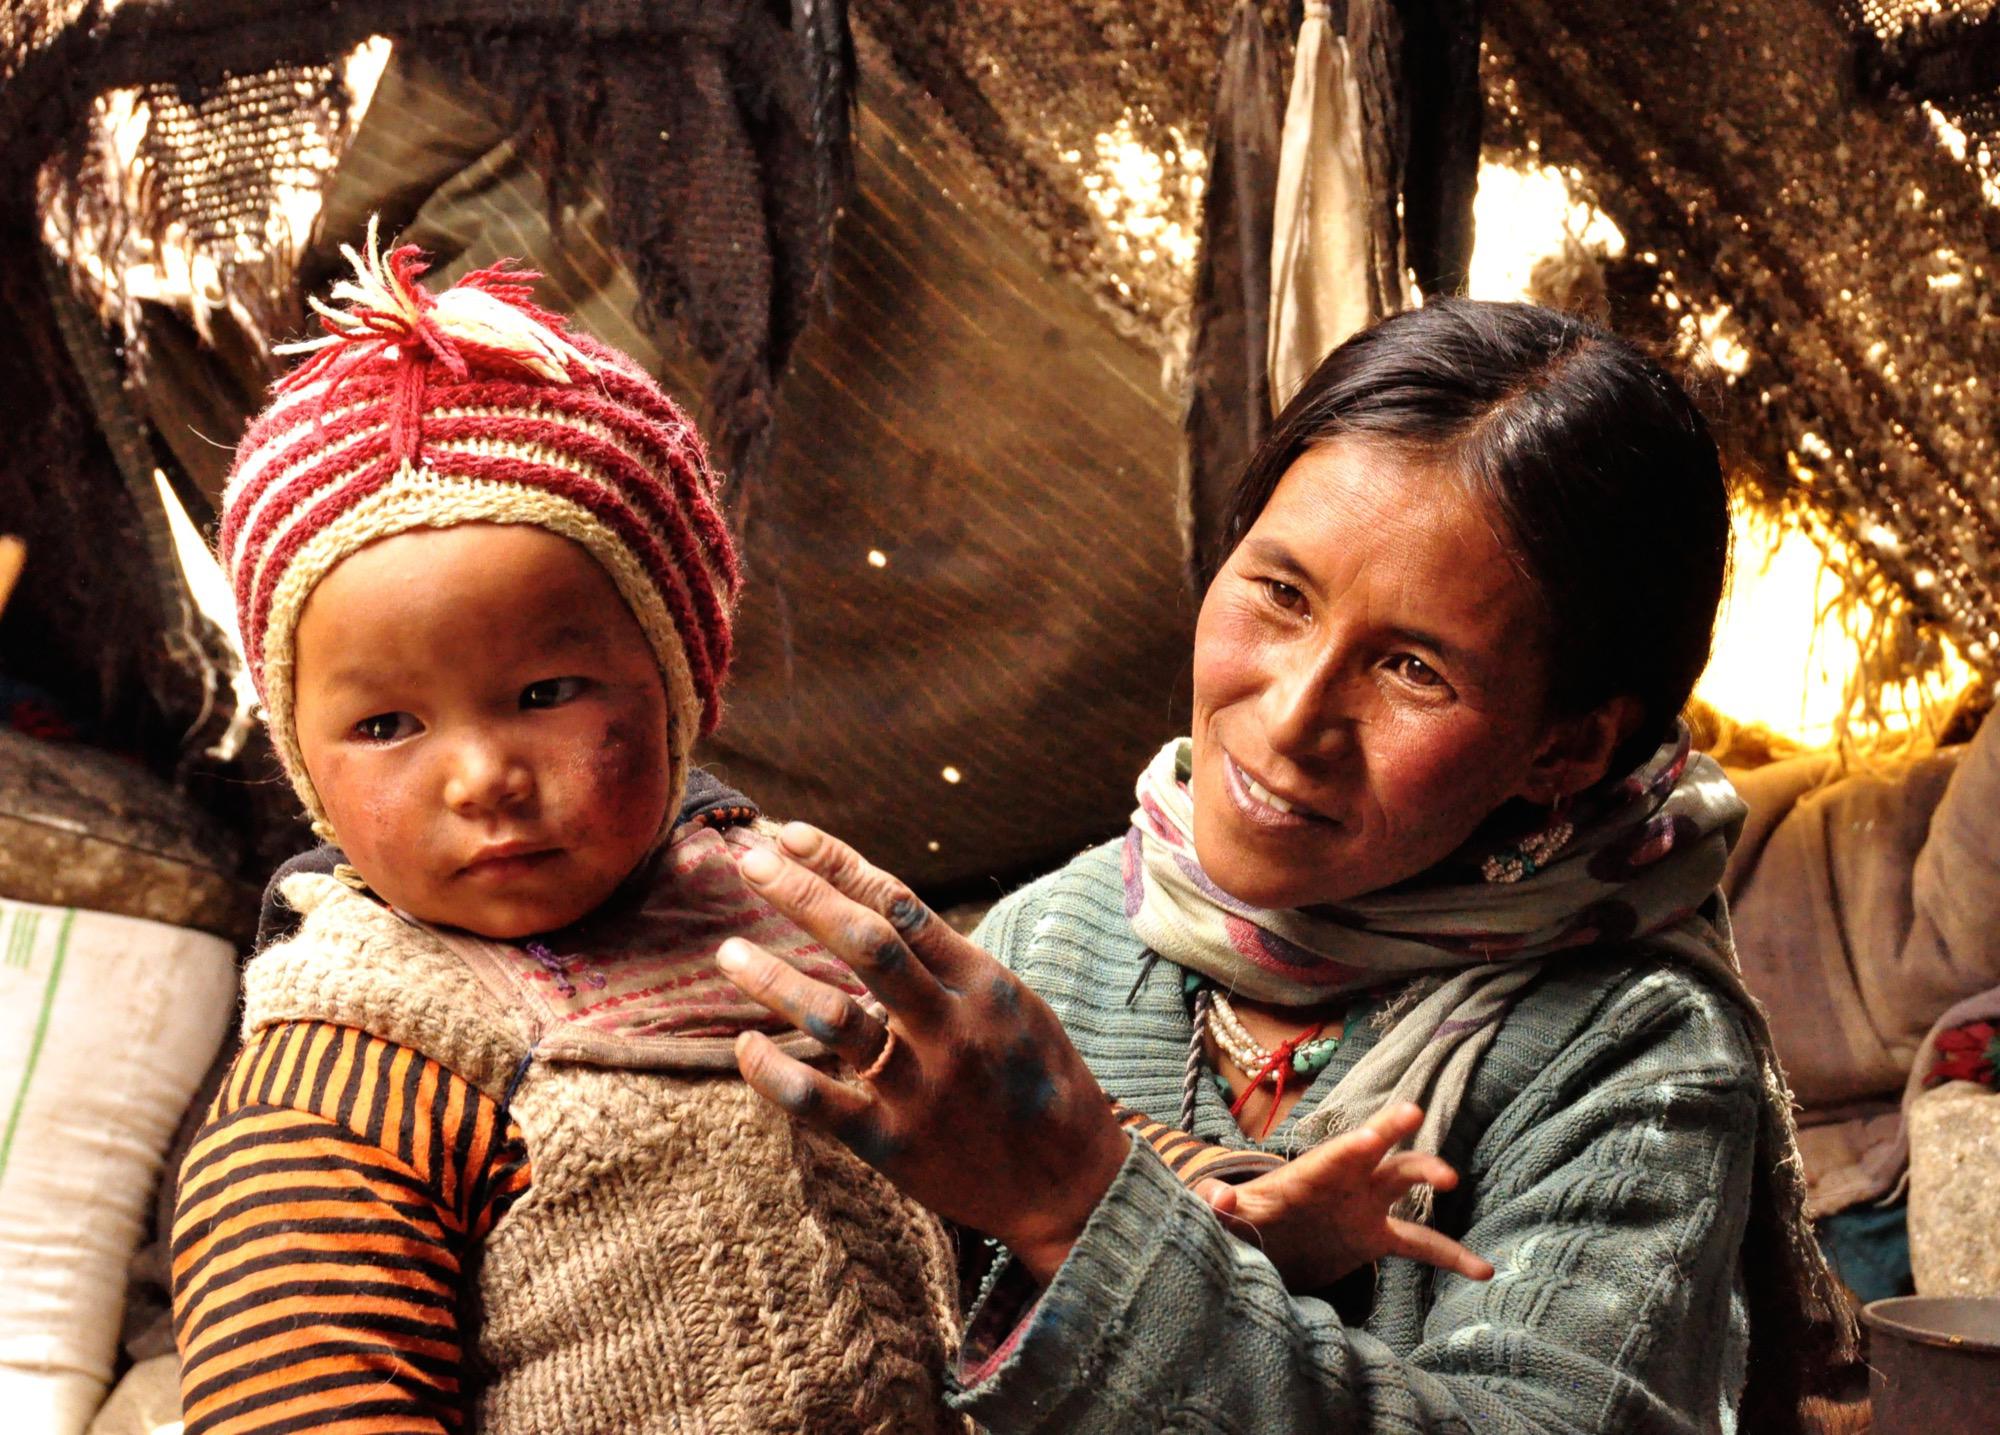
(862, 938)
(851, 1114)
(829, 1016)
(1434, 1248)
(788, 1083)
(848, 872)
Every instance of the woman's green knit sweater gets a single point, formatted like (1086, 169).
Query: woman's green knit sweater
(1605, 1149)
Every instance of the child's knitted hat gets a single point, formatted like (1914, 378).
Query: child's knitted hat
(423, 410)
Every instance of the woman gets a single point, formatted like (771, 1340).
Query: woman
(1436, 837)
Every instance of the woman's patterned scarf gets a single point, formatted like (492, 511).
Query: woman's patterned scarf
(1638, 868)
(1641, 863)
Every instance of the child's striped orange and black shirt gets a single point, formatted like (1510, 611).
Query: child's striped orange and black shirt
(327, 1214)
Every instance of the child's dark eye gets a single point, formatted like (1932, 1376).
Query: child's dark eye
(385, 727)
(551, 692)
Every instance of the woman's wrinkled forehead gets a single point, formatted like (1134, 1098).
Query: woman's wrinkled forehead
(1363, 491)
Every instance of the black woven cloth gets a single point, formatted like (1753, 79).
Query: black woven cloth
(1229, 377)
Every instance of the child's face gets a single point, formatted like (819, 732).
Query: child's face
(485, 724)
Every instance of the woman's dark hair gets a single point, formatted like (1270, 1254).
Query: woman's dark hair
(1601, 472)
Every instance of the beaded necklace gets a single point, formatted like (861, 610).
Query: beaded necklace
(1305, 1055)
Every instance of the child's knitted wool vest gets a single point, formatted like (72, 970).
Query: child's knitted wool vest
(686, 1258)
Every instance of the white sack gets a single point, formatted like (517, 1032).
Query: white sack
(107, 1025)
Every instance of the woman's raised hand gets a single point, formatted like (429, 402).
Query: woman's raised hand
(973, 1100)
(1326, 1212)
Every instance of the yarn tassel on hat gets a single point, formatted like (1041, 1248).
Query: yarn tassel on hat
(486, 318)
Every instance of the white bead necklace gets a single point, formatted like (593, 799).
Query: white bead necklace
(1252, 1056)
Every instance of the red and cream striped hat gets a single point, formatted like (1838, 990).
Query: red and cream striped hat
(421, 410)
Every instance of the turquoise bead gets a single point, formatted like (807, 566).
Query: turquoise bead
(1312, 1058)
(1191, 983)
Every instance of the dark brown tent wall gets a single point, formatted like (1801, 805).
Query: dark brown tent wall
(972, 418)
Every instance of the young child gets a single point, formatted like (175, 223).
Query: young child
(484, 1160)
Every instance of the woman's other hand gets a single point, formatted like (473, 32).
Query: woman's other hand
(1326, 1213)
(973, 1100)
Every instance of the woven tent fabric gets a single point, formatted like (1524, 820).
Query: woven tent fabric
(1850, 249)
(1814, 170)
(976, 705)
(1926, 48)
(1773, 156)
(1945, 53)
(218, 154)
(1090, 122)
(720, 133)
(1048, 93)
(963, 617)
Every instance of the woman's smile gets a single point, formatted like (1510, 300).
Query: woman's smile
(1260, 803)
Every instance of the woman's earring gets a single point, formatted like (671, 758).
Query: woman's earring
(1535, 850)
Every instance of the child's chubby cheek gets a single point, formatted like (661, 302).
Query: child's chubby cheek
(372, 823)
(620, 783)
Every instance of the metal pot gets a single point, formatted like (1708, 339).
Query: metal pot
(1935, 1365)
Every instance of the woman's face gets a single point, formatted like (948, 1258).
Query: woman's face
(1369, 672)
